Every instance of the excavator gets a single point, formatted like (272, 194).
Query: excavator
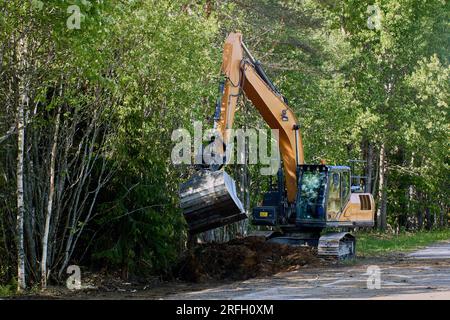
(310, 205)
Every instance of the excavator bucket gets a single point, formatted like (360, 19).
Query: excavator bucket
(209, 201)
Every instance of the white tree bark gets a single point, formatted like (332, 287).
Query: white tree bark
(23, 100)
(44, 273)
(369, 168)
(21, 281)
(382, 192)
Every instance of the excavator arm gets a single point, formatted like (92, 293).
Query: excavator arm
(209, 198)
(246, 74)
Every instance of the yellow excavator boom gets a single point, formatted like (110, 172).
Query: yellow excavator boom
(241, 74)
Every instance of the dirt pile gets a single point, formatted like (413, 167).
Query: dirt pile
(241, 259)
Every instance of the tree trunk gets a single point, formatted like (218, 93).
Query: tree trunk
(411, 194)
(429, 224)
(21, 280)
(382, 192)
(22, 101)
(419, 212)
(369, 171)
(44, 273)
(29, 238)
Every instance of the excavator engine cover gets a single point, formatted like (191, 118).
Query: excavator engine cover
(209, 201)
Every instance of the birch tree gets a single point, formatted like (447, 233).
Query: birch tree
(51, 193)
(21, 106)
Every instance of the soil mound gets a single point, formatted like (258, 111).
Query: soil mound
(241, 259)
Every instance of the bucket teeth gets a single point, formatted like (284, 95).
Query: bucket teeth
(209, 201)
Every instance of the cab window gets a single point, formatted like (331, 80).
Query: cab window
(312, 186)
(345, 184)
(334, 194)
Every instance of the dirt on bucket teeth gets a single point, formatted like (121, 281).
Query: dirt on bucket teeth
(241, 259)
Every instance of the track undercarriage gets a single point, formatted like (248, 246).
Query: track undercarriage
(332, 245)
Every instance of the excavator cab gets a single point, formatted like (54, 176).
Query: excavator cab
(309, 209)
(323, 192)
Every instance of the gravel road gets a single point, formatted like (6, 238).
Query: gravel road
(423, 274)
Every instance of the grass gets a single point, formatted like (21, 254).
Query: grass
(376, 243)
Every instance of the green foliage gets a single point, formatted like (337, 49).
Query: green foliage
(153, 66)
(138, 237)
(167, 56)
